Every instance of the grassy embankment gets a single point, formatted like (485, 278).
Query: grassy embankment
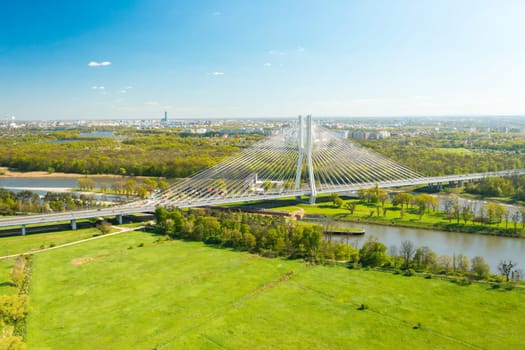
(365, 213)
(136, 291)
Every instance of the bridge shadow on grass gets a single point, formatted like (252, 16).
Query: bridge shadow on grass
(7, 284)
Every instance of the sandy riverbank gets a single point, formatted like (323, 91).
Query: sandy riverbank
(5, 172)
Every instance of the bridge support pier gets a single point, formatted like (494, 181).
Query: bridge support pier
(73, 224)
(119, 219)
(23, 229)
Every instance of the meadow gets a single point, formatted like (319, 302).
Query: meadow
(138, 290)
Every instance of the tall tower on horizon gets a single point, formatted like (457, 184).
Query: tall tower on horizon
(165, 119)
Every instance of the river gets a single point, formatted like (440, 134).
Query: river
(492, 248)
(43, 185)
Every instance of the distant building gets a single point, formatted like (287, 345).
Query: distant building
(366, 135)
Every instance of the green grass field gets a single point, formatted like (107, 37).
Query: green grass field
(114, 294)
(22, 244)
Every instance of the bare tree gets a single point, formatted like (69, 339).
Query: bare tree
(505, 268)
(407, 251)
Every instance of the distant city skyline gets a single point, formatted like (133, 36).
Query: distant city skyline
(241, 59)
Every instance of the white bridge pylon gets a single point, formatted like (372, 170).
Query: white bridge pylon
(304, 159)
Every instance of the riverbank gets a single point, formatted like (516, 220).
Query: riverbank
(393, 216)
(5, 172)
(445, 227)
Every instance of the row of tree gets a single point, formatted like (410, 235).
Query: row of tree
(129, 187)
(454, 209)
(12, 203)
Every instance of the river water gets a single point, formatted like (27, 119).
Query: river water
(41, 186)
(492, 248)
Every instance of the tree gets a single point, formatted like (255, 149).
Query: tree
(407, 250)
(424, 257)
(85, 183)
(500, 211)
(467, 213)
(383, 196)
(479, 266)
(505, 268)
(401, 199)
(373, 253)
(515, 219)
(104, 227)
(104, 186)
(333, 198)
(450, 203)
(339, 202)
(491, 211)
(350, 206)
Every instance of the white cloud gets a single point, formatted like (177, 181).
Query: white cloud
(300, 49)
(152, 103)
(95, 87)
(216, 13)
(276, 53)
(99, 64)
(267, 64)
(217, 73)
(124, 90)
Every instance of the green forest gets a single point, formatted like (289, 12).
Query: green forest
(140, 153)
(456, 153)
(171, 153)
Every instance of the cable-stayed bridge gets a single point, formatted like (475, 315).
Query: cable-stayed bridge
(305, 160)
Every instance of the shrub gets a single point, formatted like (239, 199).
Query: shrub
(363, 307)
(409, 272)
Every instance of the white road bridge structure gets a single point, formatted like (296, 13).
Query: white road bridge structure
(305, 160)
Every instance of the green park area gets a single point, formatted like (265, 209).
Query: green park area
(418, 211)
(139, 290)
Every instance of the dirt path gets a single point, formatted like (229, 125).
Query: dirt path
(121, 230)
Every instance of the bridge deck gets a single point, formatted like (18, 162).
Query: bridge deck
(150, 205)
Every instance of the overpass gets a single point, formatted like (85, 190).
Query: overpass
(303, 161)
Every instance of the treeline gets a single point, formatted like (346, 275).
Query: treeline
(129, 187)
(12, 203)
(513, 186)
(142, 154)
(276, 236)
(267, 235)
(15, 307)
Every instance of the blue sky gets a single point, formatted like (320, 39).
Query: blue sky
(232, 59)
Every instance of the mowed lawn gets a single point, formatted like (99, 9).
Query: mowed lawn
(185, 295)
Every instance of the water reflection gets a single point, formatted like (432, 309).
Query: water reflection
(492, 248)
